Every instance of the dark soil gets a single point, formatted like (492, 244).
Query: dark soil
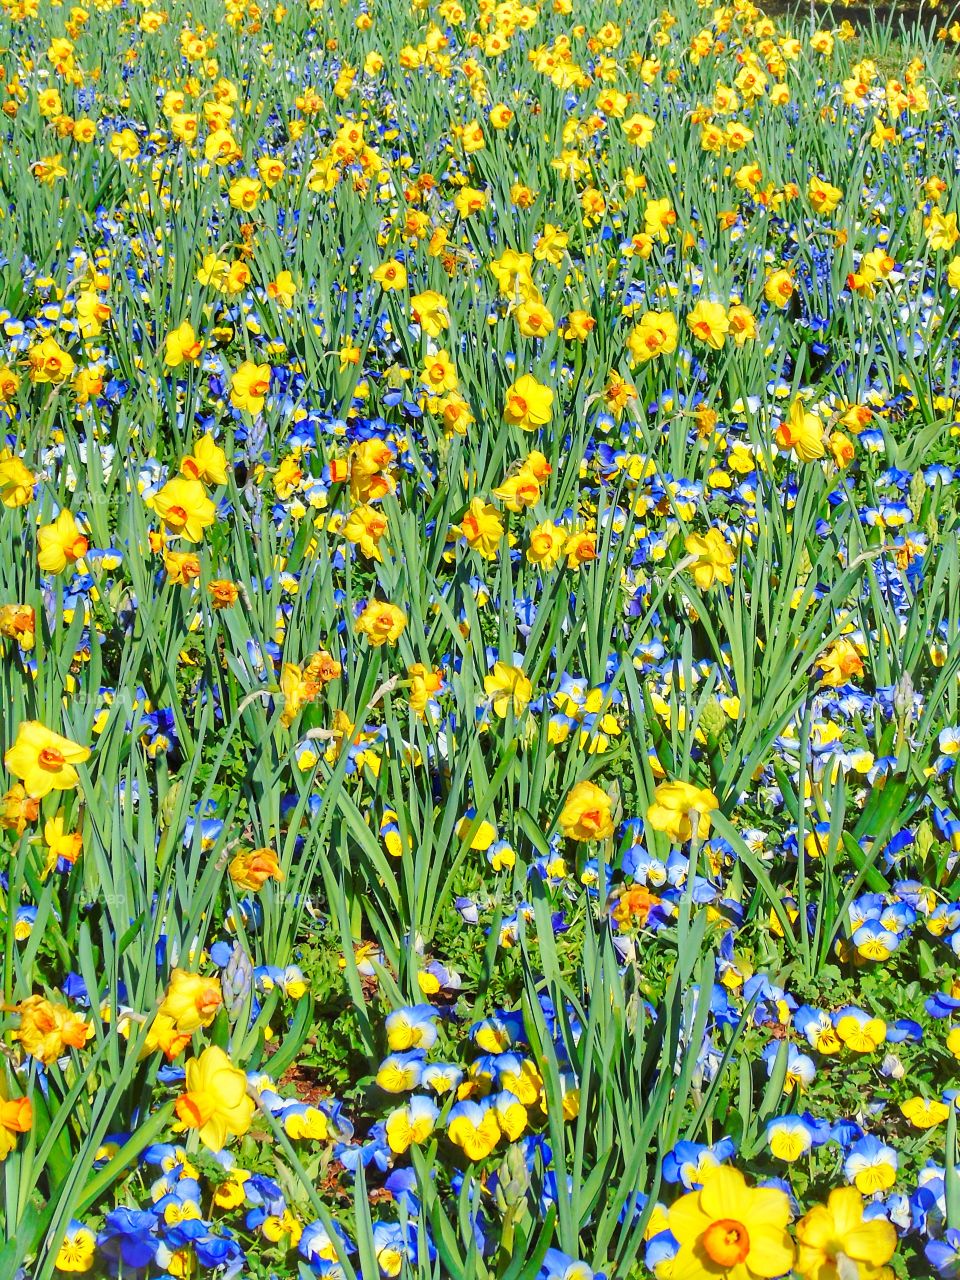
(862, 16)
(306, 1084)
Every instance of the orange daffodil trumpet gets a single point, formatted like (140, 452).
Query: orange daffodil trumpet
(840, 663)
(801, 432)
(728, 1230)
(207, 462)
(60, 544)
(252, 868)
(181, 346)
(823, 196)
(18, 810)
(655, 335)
(61, 845)
(587, 814)
(709, 323)
(16, 1117)
(779, 288)
(190, 1003)
(43, 760)
(365, 527)
(425, 685)
(301, 685)
(18, 622)
(481, 528)
(216, 1102)
(249, 387)
(184, 508)
(381, 622)
(528, 404)
(191, 1000)
(47, 1029)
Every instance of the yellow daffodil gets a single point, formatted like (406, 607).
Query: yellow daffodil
(43, 760)
(216, 1102)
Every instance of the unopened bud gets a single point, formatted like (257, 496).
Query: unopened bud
(918, 491)
(236, 982)
(513, 1179)
(924, 838)
(713, 719)
(903, 697)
